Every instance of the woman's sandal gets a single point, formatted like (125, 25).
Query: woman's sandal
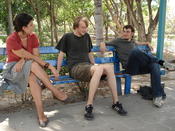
(66, 101)
(43, 123)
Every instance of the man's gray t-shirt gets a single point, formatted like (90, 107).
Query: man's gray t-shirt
(76, 48)
(123, 49)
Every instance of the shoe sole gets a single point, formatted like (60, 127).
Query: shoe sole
(158, 106)
(122, 114)
(89, 119)
(119, 113)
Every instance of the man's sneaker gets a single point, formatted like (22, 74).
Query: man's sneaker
(158, 102)
(168, 66)
(119, 108)
(88, 112)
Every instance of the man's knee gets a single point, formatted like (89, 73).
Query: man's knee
(98, 69)
(154, 66)
(135, 52)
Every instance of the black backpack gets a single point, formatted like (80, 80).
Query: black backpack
(146, 92)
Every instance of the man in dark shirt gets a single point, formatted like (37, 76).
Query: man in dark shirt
(77, 47)
(135, 61)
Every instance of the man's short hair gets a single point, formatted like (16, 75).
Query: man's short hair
(77, 21)
(129, 27)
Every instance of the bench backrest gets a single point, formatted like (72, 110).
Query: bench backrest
(51, 50)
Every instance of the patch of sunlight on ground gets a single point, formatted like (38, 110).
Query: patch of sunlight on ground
(5, 125)
(169, 88)
(51, 113)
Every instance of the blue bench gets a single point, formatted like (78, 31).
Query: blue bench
(99, 60)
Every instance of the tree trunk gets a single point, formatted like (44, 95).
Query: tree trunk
(54, 23)
(153, 22)
(141, 25)
(10, 21)
(130, 22)
(36, 8)
(37, 11)
(106, 24)
(115, 13)
(39, 28)
(98, 21)
(64, 27)
(106, 33)
(138, 22)
(51, 23)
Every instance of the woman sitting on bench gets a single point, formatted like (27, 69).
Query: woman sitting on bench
(24, 67)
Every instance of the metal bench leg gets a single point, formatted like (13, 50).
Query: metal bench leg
(119, 90)
(127, 84)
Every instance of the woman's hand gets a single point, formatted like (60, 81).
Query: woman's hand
(19, 65)
(54, 71)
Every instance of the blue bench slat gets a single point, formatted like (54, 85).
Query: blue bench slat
(70, 80)
(61, 77)
(48, 50)
(97, 49)
(98, 60)
(2, 51)
(52, 50)
(1, 65)
(65, 82)
(102, 60)
(54, 62)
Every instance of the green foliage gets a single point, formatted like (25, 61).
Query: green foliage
(66, 10)
(2, 58)
(3, 38)
(73, 9)
(18, 6)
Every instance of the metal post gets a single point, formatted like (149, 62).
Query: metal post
(161, 28)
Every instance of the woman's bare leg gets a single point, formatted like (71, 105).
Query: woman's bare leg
(41, 74)
(36, 93)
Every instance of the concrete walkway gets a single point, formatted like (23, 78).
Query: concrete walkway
(142, 116)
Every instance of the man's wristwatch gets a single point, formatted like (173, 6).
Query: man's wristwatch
(46, 66)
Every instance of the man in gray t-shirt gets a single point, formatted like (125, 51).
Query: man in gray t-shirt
(123, 49)
(135, 61)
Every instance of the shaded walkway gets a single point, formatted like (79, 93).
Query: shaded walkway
(143, 116)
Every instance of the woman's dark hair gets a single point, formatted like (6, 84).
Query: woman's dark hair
(21, 20)
(77, 21)
(129, 27)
